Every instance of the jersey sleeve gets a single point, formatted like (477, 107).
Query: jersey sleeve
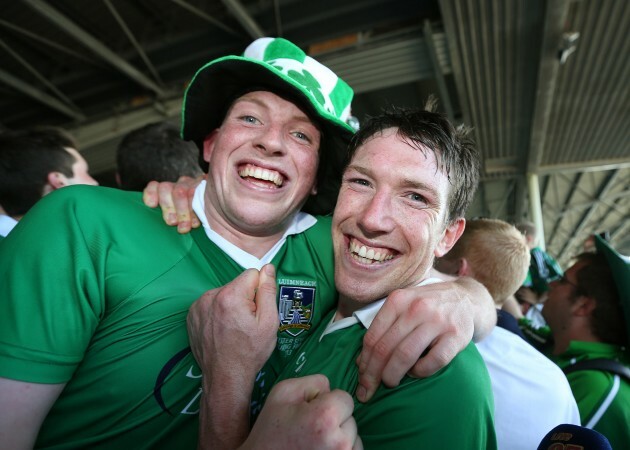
(452, 409)
(51, 291)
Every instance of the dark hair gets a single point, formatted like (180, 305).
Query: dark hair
(427, 130)
(595, 280)
(26, 159)
(155, 152)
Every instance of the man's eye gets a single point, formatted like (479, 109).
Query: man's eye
(360, 181)
(249, 119)
(417, 197)
(302, 136)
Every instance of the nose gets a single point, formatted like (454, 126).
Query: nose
(375, 214)
(270, 140)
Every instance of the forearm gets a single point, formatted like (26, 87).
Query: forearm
(224, 412)
(483, 307)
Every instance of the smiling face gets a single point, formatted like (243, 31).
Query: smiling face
(263, 165)
(390, 220)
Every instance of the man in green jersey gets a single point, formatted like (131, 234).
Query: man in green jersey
(95, 289)
(410, 178)
(588, 313)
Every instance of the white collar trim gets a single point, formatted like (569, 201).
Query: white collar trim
(7, 223)
(365, 315)
(301, 222)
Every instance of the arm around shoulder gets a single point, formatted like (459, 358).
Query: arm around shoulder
(483, 307)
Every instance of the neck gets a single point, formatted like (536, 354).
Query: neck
(346, 306)
(579, 332)
(253, 241)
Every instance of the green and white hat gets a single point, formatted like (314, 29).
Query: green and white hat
(273, 64)
(620, 266)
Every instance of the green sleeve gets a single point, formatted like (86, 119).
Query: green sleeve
(452, 409)
(51, 290)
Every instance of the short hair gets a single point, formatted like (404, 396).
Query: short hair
(498, 254)
(26, 158)
(454, 150)
(595, 279)
(155, 152)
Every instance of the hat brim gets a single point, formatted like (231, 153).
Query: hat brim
(620, 267)
(220, 81)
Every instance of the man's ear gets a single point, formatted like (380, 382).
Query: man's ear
(584, 306)
(451, 234)
(56, 180)
(463, 269)
(208, 145)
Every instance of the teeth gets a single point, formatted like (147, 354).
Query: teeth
(368, 256)
(261, 174)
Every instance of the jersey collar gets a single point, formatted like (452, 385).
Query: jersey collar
(365, 316)
(301, 222)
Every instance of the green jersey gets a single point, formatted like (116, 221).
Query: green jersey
(95, 291)
(452, 409)
(603, 398)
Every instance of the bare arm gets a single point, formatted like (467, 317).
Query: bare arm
(304, 413)
(24, 408)
(419, 330)
(232, 333)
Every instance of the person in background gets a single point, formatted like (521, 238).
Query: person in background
(94, 349)
(33, 163)
(155, 152)
(588, 317)
(404, 192)
(542, 270)
(531, 394)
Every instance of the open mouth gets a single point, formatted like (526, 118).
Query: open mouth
(261, 176)
(368, 255)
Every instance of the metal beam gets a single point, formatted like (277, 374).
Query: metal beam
(586, 166)
(48, 42)
(38, 95)
(585, 205)
(555, 18)
(603, 191)
(565, 202)
(437, 70)
(535, 209)
(243, 17)
(95, 133)
(133, 41)
(42, 79)
(94, 44)
(202, 15)
(276, 13)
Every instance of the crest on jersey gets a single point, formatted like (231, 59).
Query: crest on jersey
(295, 309)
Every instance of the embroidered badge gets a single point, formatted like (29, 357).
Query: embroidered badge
(295, 309)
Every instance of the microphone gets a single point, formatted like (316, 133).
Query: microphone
(568, 436)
